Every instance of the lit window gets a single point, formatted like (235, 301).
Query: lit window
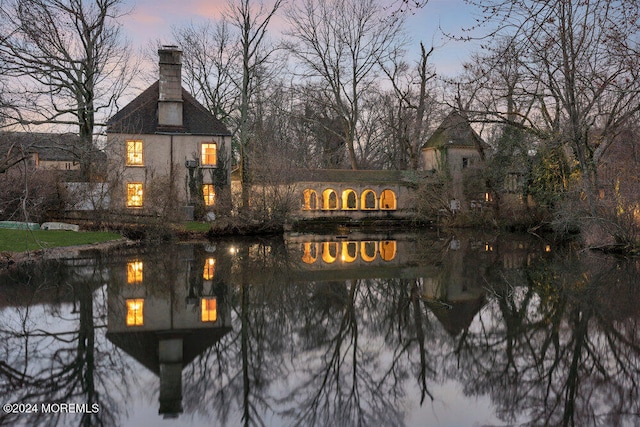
(329, 200)
(134, 194)
(388, 200)
(209, 269)
(368, 200)
(209, 193)
(388, 250)
(310, 200)
(135, 315)
(209, 154)
(349, 200)
(209, 309)
(134, 272)
(134, 153)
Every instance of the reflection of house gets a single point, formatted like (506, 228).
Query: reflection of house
(166, 135)
(165, 321)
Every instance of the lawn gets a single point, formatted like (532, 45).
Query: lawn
(196, 226)
(23, 240)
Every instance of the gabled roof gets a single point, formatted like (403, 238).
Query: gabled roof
(455, 131)
(140, 116)
(49, 146)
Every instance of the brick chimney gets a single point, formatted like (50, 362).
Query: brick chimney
(170, 96)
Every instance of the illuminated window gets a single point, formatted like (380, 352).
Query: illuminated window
(329, 199)
(209, 269)
(134, 194)
(349, 251)
(388, 250)
(388, 200)
(209, 309)
(135, 315)
(349, 200)
(209, 154)
(310, 200)
(329, 252)
(368, 201)
(135, 153)
(309, 252)
(368, 251)
(488, 197)
(209, 194)
(134, 272)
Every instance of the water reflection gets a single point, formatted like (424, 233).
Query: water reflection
(275, 332)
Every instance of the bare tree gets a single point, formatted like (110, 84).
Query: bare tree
(66, 60)
(339, 44)
(210, 63)
(251, 18)
(578, 62)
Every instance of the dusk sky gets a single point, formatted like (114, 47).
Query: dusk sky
(153, 19)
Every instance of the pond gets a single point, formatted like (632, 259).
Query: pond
(307, 330)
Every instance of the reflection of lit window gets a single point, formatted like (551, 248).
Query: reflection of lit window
(368, 200)
(134, 194)
(209, 194)
(209, 309)
(329, 199)
(310, 200)
(349, 251)
(349, 200)
(209, 269)
(388, 250)
(329, 252)
(368, 251)
(134, 272)
(135, 312)
(209, 156)
(309, 252)
(134, 153)
(388, 200)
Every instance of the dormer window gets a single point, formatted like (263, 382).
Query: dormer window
(209, 154)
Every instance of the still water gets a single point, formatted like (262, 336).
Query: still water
(309, 330)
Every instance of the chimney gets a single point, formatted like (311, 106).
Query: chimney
(170, 96)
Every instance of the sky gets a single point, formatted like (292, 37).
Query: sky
(150, 20)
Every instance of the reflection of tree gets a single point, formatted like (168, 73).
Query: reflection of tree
(53, 355)
(556, 346)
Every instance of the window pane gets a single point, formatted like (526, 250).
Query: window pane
(209, 155)
(209, 193)
(134, 153)
(134, 194)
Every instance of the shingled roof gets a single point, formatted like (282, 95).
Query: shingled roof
(140, 116)
(454, 130)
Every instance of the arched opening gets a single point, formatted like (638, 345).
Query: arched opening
(310, 200)
(329, 252)
(309, 252)
(349, 251)
(388, 250)
(368, 200)
(388, 200)
(368, 251)
(329, 199)
(349, 200)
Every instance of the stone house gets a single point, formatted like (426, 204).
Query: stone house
(457, 153)
(168, 147)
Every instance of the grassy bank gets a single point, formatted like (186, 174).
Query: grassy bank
(24, 240)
